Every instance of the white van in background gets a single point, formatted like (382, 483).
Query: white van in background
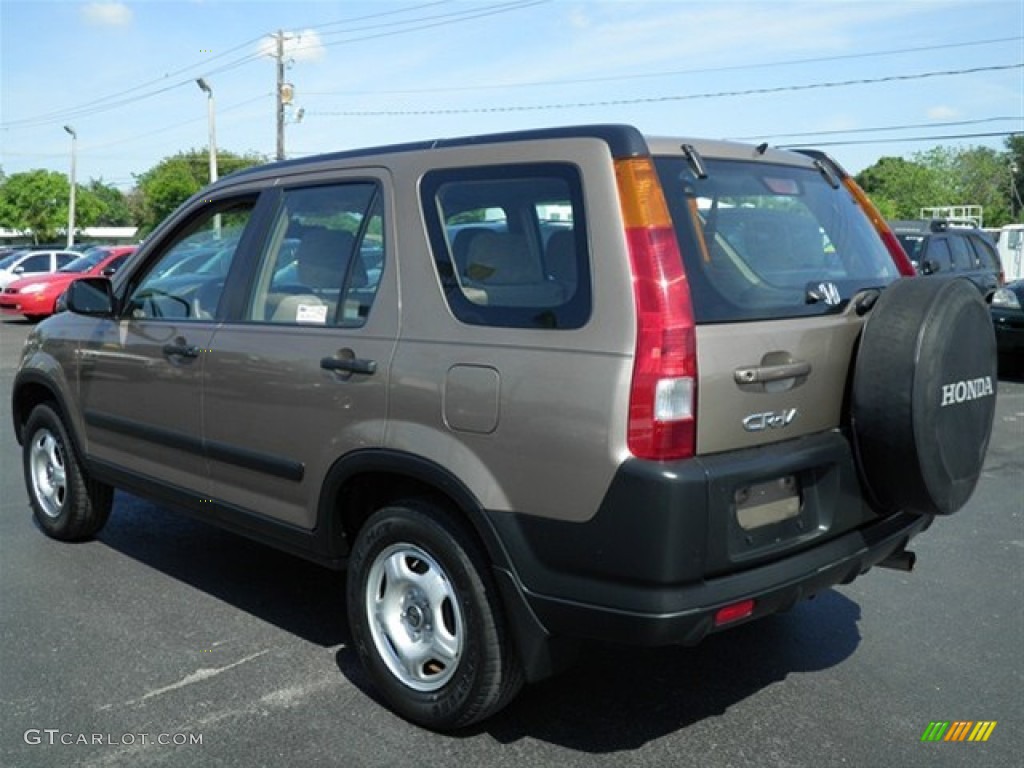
(1010, 244)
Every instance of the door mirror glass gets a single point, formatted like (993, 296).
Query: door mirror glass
(90, 296)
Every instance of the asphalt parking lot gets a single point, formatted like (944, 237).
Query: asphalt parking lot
(168, 642)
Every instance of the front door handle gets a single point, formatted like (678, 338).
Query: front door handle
(349, 365)
(180, 348)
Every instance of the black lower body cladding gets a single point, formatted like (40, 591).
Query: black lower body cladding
(923, 396)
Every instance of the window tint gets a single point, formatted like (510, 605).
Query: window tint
(509, 244)
(323, 263)
(38, 263)
(84, 263)
(115, 264)
(940, 254)
(984, 254)
(912, 245)
(765, 241)
(963, 259)
(185, 279)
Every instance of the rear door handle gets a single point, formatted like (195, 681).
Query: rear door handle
(349, 365)
(760, 374)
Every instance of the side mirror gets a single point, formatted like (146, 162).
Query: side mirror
(91, 296)
(930, 267)
(19, 270)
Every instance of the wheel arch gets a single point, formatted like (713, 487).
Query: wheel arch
(30, 389)
(362, 482)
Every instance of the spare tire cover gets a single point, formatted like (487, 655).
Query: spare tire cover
(924, 394)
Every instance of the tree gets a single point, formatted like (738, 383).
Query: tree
(982, 176)
(174, 179)
(900, 188)
(1015, 186)
(37, 201)
(115, 211)
(947, 176)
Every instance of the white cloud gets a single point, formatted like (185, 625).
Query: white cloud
(300, 46)
(942, 112)
(110, 14)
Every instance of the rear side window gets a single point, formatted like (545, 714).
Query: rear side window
(509, 244)
(764, 241)
(985, 254)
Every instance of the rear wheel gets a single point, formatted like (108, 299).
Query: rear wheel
(426, 620)
(67, 504)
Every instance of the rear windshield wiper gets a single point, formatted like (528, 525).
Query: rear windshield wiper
(695, 160)
(826, 172)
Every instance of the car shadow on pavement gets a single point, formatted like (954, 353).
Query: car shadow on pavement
(620, 698)
(613, 698)
(300, 597)
(1011, 370)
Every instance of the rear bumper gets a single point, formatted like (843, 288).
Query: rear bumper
(665, 552)
(773, 588)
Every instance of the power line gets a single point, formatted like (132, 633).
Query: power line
(897, 139)
(103, 103)
(377, 15)
(121, 98)
(879, 129)
(669, 73)
(665, 99)
(459, 17)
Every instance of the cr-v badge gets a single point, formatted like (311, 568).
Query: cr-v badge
(758, 422)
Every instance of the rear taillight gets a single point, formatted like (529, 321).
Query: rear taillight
(663, 396)
(896, 252)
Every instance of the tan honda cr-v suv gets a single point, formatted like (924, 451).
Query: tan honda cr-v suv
(528, 389)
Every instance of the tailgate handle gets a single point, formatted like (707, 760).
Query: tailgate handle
(761, 374)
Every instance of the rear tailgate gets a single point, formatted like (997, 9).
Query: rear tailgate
(777, 253)
(762, 382)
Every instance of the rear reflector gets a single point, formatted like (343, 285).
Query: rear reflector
(734, 612)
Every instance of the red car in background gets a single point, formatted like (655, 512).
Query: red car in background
(36, 297)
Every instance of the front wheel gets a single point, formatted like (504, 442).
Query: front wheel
(67, 504)
(426, 618)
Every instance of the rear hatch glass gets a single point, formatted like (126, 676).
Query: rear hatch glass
(765, 241)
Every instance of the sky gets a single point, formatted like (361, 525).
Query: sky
(862, 79)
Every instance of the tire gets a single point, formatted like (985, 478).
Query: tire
(426, 619)
(67, 504)
(924, 394)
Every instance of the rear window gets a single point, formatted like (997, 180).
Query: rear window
(764, 241)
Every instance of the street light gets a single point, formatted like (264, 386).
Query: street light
(201, 82)
(71, 202)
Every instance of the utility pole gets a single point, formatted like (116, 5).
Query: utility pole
(205, 87)
(280, 94)
(71, 201)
